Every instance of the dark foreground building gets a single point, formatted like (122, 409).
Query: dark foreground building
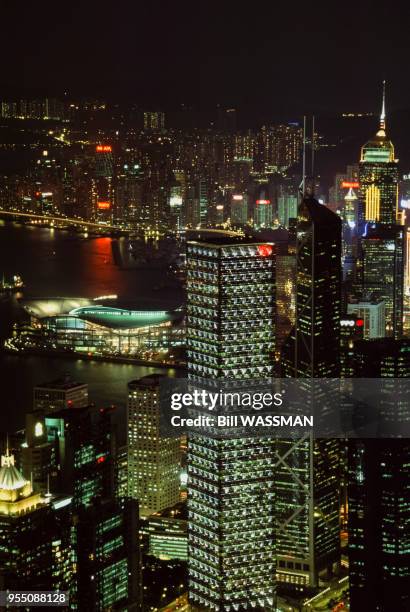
(379, 490)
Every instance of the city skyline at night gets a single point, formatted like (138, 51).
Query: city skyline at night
(205, 307)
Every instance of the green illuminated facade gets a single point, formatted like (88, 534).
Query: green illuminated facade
(230, 335)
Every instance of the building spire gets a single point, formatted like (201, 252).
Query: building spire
(383, 113)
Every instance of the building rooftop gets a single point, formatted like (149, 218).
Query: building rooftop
(120, 318)
(62, 384)
(151, 380)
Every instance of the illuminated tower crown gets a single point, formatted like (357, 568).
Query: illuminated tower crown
(13, 485)
(379, 148)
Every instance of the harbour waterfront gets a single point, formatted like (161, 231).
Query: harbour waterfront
(55, 263)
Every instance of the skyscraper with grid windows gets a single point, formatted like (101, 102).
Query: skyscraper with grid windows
(230, 336)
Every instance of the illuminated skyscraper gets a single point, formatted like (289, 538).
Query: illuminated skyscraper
(314, 342)
(285, 297)
(239, 209)
(35, 535)
(383, 271)
(230, 335)
(263, 211)
(287, 208)
(307, 483)
(107, 556)
(407, 266)
(153, 460)
(154, 120)
(102, 189)
(379, 489)
(378, 175)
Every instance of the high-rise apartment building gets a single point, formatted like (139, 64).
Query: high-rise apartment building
(230, 335)
(153, 459)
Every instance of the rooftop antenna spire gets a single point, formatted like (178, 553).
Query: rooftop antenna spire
(313, 149)
(303, 183)
(383, 113)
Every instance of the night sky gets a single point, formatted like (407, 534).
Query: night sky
(300, 57)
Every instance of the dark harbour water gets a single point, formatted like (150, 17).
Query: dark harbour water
(55, 263)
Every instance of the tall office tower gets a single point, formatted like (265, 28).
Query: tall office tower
(307, 490)
(158, 179)
(378, 176)
(287, 208)
(240, 173)
(35, 537)
(153, 459)
(154, 120)
(122, 472)
(285, 297)
(203, 198)
(107, 557)
(38, 455)
(57, 394)
(176, 200)
(263, 210)
(350, 209)
(102, 189)
(85, 442)
(343, 182)
(239, 209)
(407, 264)
(379, 492)
(128, 194)
(230, 335)
(383, 271)
(350, 221)
(313, 347)
(373, 314)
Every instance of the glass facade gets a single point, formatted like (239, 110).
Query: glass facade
(383, 271)
(230, 334)
(307, 489)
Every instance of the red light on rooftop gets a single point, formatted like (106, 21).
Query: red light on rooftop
(350, 184)
(103, 148)
(265, 250)
(359, 323)
(100, 459)
(104, 205)
(263, 201)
